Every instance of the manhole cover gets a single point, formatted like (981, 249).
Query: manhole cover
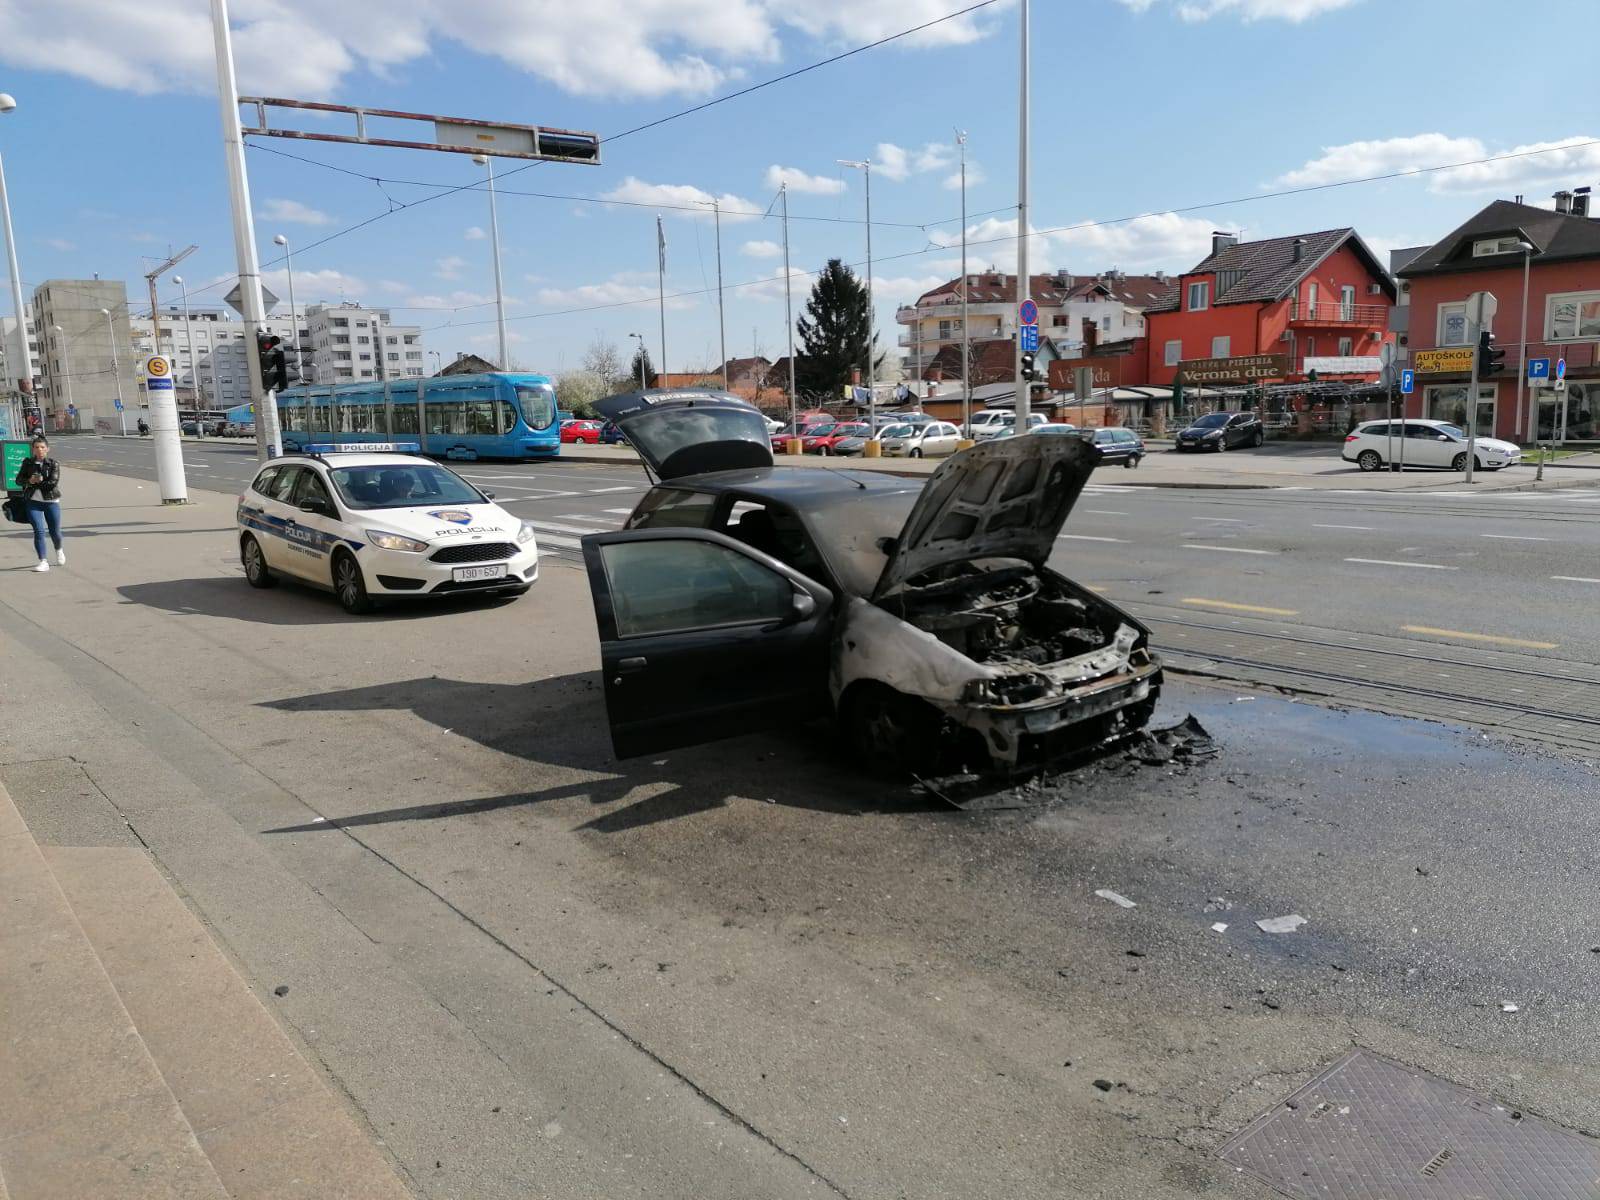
(1371, 1129)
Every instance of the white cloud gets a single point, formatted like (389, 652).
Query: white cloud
(292, 212)
(899, 164)
(1293, 11)
(1530, 165)
(770, 287)
(890, 290)
(603, 48)
(449, 267)
(1150, 242)
(683, 200)
(761, 249)
(935, 156)
(975, 176)
(892, 162)
(310, 287)
(474, 234)
(799, 181)
(625, 287)
(61, 244)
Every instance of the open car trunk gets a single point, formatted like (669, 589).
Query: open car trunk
(681, 432)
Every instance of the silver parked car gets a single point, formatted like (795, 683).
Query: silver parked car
(920, 441)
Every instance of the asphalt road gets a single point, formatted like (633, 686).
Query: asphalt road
(744, 969)
(1518, 571)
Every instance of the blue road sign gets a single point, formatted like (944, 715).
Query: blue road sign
(157, 384)
(1561, 368)
(1028, 313)
(118, 403)
(1408, 381)
(1030, 339)
(1538, 368)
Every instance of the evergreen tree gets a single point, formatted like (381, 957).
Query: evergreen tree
(641, 361)
(836, 332)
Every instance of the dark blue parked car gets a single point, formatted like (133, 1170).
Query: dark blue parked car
(610, 435)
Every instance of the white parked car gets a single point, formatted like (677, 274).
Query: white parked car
(986, 418)
(1425, 444)
(1006, 421)
(920, 441)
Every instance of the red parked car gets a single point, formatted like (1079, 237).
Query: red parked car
(800, 429)
(581, 431)
(823, 438)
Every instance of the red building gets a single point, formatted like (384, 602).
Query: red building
(1560, 251)
(1316, 301)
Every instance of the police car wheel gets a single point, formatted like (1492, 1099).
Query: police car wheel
(349, 585)
(255, 563)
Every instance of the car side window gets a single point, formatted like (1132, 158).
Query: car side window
(312, 488)
(1422, 432)
(284, 485)
(675, 585)
(673, 508)
(263, 483)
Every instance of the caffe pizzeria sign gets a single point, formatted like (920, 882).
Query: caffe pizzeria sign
(1245, 369)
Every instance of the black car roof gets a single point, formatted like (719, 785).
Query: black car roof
(810, 487)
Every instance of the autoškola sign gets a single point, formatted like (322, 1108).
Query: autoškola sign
(1436, 362)
(1244, 369)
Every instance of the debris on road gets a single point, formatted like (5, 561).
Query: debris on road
(1105, 1085)
(1115, 898)
(281, 990)
(1220, 927)
(1218, 904)
(1288, 924)
(1508, 1008)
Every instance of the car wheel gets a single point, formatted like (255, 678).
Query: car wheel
(1459, 462)
(1222, 443)
(893, 734)
(1260, 437)
(350, 585)
(916, 454)
(824, 451)
(1369, 460)
(255, 563)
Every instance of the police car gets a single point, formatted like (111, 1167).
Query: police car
(373, 521)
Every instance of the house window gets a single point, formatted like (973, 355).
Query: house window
(1221, 347)
(1311, 299)
(1346, 347)
(1174, 352)
(1453, 324)
(1448, 402)
(1105, 324)
(1199, 296)
(1572, 315)
(1500, 245)
(1347, 302)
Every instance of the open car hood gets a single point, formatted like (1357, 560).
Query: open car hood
(682, 432)
(999, 499)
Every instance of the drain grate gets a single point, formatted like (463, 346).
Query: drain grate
(1368, 1128)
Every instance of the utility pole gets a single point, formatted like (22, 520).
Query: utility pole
(722, 324)
(1522, 357)
(269, 443)
(483, 160)
(661, 289)
(1024, 388)
(966, 342)
(788, 302)
(116, 369)
(25, 371)
(865, 167)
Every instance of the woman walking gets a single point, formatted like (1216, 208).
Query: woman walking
(39, 477)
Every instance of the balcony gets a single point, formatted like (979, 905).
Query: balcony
(905, 314)
(1334, 313)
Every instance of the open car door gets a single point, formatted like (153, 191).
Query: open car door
(703, 638)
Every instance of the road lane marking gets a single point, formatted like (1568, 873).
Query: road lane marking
(1223, 520)
(541, 525)
(1105, 512)
(632, 487)
(592, 520)
(1384, 562)
(552, 539)
(1480, 637)
(1232, 607)
(618, 512)
(1083, 537)
(1364, 528)
(1225, 549)
(1574, 579)
(1513, 537)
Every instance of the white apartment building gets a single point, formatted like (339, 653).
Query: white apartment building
(11, 354)
(85, 357)
(350, 343)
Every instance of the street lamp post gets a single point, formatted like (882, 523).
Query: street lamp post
(66, 360)
(437, 360)
(966, 342)
(483, 160)
(1024, 283)
(865, 167)
(194, 363)
(294, 319)
(25, 367)
(640, 338)
(116, 365)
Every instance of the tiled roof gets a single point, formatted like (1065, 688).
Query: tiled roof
(1269, 270)
(993, 360)
(1048, 291)
(1136, 291)
(1554, 236)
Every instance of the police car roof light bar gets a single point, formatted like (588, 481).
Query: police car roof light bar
(318, 449)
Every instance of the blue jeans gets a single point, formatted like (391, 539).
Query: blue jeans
(42, 515)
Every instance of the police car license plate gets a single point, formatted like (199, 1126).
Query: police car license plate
(464, 574)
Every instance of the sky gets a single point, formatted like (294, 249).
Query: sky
(1154, 123)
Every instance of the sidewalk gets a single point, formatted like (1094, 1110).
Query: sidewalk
(1306, 468)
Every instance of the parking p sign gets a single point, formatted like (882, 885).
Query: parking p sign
(1408, 381)
(1538, 368)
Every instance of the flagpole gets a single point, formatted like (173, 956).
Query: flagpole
(661, 288)
(788, 303)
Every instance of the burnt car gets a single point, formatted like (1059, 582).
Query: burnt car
(741, 595)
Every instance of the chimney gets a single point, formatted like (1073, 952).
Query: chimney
(1299, 249)
(1161, 276)
(855, 376)
(1220, 240)
(934, 373)
(1563, 202)
(1091, 336)
(1580, 202)
(1518, 199)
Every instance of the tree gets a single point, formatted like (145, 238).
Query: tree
(603, 361)
(641, 362)
(836, 332)
(576, 392)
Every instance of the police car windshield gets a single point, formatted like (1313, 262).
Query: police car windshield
(402, 485)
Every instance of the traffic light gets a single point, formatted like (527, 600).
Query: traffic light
(289, 367)
(1028, 371)
(269, 351)
(1490, 356)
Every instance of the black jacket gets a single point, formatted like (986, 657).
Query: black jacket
(40, 479)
